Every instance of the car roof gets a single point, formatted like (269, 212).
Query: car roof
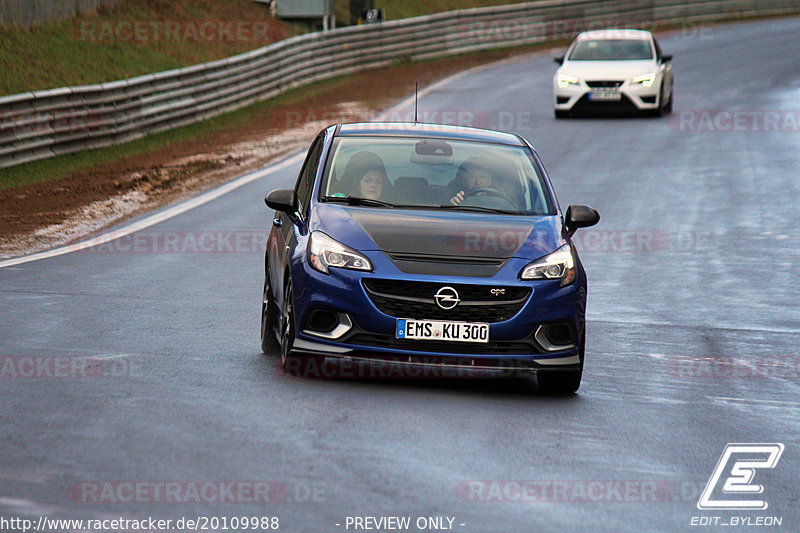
(615, 33)
(421, 129)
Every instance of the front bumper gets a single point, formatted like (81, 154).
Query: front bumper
(634, 97)
(318, 361)
(515, 342)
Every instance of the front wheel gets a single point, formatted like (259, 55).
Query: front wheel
(287, 328)
(293, 364)
(664, 109)
(269, 317)
(668, 107)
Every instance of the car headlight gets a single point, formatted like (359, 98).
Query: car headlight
(564, 81)
(324, 252)
(557, 265)
(645, 80)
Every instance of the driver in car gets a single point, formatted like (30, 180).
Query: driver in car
(473, 179)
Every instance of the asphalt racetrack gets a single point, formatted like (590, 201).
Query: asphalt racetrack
(693, 329)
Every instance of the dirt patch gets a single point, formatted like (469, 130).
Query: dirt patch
(41, 216)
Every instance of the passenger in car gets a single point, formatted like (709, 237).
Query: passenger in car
(365, 177)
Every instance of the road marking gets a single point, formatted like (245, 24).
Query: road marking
(156, 218)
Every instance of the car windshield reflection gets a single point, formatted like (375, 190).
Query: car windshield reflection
(434, 174)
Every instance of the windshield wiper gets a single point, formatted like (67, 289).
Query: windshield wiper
(478, 208)
(355, 200)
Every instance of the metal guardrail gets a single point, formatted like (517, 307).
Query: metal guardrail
(48, 123)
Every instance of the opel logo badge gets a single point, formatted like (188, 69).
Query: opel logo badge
(446, 298)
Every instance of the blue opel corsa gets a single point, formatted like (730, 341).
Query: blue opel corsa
(422, 244)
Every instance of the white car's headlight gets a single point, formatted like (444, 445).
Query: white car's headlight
(564, 81)
(557, 265)
(324, 252)
(645, 80)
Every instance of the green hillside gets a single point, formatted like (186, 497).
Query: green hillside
(396, 9)
(134, 37)
(143, 36)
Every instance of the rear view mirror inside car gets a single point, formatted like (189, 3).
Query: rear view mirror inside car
(432, 152)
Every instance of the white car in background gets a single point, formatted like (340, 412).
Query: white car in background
(613, 70)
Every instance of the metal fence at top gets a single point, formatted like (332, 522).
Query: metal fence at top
(29, 12)
(48, 123)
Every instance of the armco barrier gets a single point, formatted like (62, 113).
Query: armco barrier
(47, 123)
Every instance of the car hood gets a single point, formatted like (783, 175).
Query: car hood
(440, 233)
(607, 70)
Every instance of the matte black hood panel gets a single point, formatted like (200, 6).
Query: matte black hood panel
(454, 234)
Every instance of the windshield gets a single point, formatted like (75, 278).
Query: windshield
(611, 50)
(390, 172)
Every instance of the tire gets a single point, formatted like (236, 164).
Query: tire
(292, 363)
(561, 114)
(665, 109)
(269, 318)
(287, 328)
(563, 381)
(668, 107)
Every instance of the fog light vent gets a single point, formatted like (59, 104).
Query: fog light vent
(326, 323)
(322, 321)
(560, 334)
(553, 337)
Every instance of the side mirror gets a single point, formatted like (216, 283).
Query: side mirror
(580, 216)
(284, 200)
(559, 60)
(666, 58)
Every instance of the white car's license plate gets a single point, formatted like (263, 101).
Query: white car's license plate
(605, 95)
(440, 330)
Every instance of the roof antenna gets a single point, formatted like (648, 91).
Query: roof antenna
(416, 89)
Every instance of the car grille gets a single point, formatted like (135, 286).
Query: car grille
(622, 105)
(598, 84)
(412, 299)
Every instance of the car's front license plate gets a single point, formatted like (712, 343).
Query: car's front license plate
(605, 95)
(440, 330)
